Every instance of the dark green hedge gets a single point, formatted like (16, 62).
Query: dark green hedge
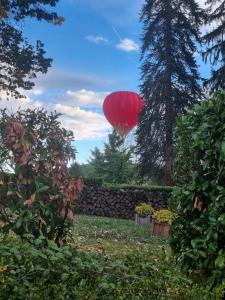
(99, 181)
(95, 181)
(139, 187)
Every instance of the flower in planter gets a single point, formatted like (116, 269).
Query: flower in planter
(144, 210)
(164, 215)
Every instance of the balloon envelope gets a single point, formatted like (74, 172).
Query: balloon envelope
(122, 110)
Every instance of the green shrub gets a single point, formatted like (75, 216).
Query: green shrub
(33, 272)
(164, 215)
(39, 197)
(150, 188)
(144, 209)
(198, 233)
(93, 181)
(52, 273)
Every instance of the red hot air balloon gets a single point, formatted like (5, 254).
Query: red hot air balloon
(122, 110)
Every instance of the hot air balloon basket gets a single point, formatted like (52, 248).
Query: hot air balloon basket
(159, 228)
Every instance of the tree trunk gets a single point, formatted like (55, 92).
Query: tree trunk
(168, 98)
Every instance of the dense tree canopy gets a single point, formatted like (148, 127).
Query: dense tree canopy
(118, 164)
(114, 164)
(170, 79)
(19, 60)
(216, 44)
(96, 163)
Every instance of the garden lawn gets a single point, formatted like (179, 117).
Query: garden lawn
(115, 236)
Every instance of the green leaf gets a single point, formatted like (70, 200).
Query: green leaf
(196, 243)
(43, 188)
(202, 254)
(223, 147)
(221, 219)
(220, 261)
(18, 223)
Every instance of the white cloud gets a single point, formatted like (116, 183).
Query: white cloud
(96, 39)
(84, 98)
(84, 124)
(37, 91)
(12, 105)
(127, 45)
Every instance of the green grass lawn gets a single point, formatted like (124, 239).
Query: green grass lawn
(114, 236)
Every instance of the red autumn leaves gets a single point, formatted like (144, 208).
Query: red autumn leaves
(19, 141)
(22, 143)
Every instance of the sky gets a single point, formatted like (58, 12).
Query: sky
(95, 52)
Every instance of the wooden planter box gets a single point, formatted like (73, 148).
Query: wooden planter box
(160, 229)
(142, 221)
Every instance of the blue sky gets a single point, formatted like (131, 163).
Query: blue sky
(95, 52)
(90, 60)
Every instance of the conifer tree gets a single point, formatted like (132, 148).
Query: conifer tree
(114, 164)
(97, 163)
(118, 164)
(170, 79)
(215, 39)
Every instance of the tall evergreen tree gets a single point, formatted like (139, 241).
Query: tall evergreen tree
(75, 170)
(115, 163)
(170, 79)
(118, 164)
(215, 39)
(82, 170)
(97, 163)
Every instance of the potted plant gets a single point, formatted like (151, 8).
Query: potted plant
(143, 214)
(161, 222)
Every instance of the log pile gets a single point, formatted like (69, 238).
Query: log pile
(118, 203)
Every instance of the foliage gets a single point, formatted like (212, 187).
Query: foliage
(115, 163)
(75, 170)
(97, 181)
(164, 215)
(118, 165)
(144, 209)
(39, 199)
(146, 187)
(216, 43)
(97, 163)
(63, 273)
(198, 234)
(140, 271)
(81, 170)
(170, 80)
(19, 60)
